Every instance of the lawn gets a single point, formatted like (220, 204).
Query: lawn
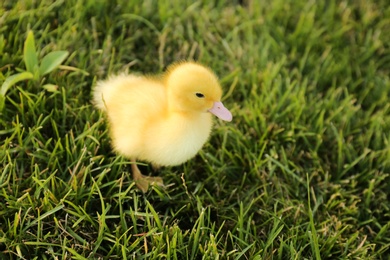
(302, 171)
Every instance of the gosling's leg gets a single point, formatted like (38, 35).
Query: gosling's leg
(143, 181)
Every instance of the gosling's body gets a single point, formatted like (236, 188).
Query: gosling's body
(158, 136)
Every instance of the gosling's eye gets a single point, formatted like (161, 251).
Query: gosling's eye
(199, 95)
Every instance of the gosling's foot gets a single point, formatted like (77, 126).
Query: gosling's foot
(143, 182)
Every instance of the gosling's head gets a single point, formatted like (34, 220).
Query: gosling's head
(194, 88)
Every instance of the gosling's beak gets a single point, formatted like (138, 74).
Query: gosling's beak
(221, 112)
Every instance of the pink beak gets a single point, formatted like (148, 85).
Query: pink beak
(221, 112)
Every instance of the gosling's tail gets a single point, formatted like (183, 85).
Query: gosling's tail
(106, 91)
(99, 93)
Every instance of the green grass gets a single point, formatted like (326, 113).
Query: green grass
(302, 171)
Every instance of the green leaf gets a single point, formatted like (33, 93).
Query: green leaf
(52, 61)
(50, 87)
(30, 55)
(12, 80)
